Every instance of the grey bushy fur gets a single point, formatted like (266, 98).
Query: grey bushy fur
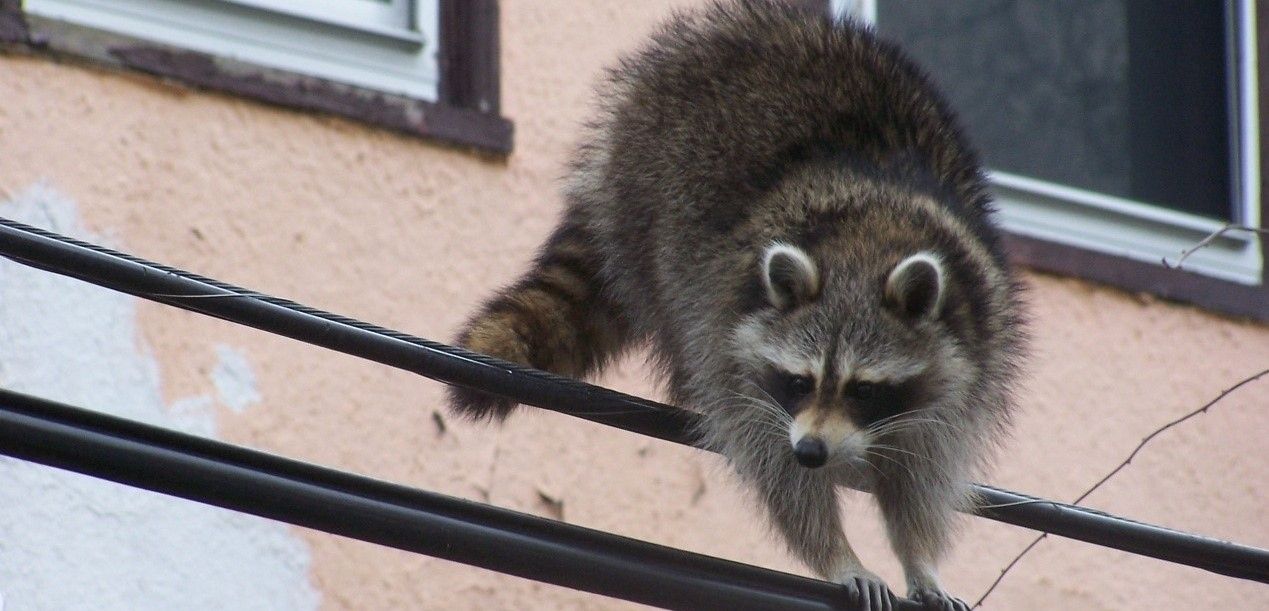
(783, 208)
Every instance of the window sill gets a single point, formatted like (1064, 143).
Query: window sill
(1123, 244)
(1220, 296)
(486, 133)
(1123, 228)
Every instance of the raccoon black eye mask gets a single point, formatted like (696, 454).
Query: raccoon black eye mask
(843, 316)
(871, 401)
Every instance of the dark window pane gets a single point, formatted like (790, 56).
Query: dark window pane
(1124, 97)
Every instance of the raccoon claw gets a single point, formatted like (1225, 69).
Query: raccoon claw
(869, 594)
(936, 600)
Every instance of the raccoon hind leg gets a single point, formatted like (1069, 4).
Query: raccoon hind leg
(556, 317)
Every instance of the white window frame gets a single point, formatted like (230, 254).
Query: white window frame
(1137, 230)
(390, 17)
(388, 46)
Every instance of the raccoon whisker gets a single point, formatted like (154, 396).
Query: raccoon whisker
(837, 459)
(897, 463)
(888, 428)
(766, 414)
(928, 462)
(902, 425)
(894, 417)
(731, 395)
(773, 410)
(752, 435)
(748, 382)
(939, 421)
(891, 449)
(763, 427)
(765, 405)
(894, 422)
(765, 409)
(910, 465)
(853, 465)
(766, 396)
(875, 468)
(776, 429)
(904, 415)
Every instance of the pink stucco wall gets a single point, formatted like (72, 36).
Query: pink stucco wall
(411, 235)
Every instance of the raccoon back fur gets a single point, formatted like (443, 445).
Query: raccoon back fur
(783, 208)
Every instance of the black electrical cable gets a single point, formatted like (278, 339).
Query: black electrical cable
(121, 272)
(261, 484)
(104, 267)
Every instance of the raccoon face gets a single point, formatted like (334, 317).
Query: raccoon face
(846, 367)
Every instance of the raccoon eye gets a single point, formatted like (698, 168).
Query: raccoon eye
(875, 400)
(787, 389)
(865, 391)
(797, 386)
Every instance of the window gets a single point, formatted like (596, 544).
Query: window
(379, 45)
(384, 61)
(1126, 128)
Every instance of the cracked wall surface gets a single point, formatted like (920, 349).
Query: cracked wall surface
(68, 541)
(411, 235)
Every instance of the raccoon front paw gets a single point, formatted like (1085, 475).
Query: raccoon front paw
(937, 600)
(867, 591)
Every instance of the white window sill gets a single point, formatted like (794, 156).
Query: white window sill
(1124, 228)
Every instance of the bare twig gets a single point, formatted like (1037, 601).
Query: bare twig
(1116, 470)
(1008, 567)
(1211, 237)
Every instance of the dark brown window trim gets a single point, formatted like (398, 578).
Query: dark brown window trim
(466, 115)
(469, 58)
(1221, 296)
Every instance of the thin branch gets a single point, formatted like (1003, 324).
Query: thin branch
(1211, 237)
(1116, 470)
(1008, 567)
(1167, 426)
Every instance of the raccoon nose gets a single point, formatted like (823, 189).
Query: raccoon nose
(811, 452)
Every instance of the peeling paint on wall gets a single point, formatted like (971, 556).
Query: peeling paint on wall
(234, 380)
(73, 542)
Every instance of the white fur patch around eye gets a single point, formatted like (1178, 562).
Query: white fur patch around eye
(750, 344)
(794, 363)
(891, 371)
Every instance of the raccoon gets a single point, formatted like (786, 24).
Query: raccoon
(784, 210)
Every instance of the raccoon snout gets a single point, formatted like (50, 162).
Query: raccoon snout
(811, 452)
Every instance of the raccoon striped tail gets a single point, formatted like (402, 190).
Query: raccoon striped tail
(555, 318)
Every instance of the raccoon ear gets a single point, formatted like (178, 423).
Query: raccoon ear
(789, 275)
(915, 287)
